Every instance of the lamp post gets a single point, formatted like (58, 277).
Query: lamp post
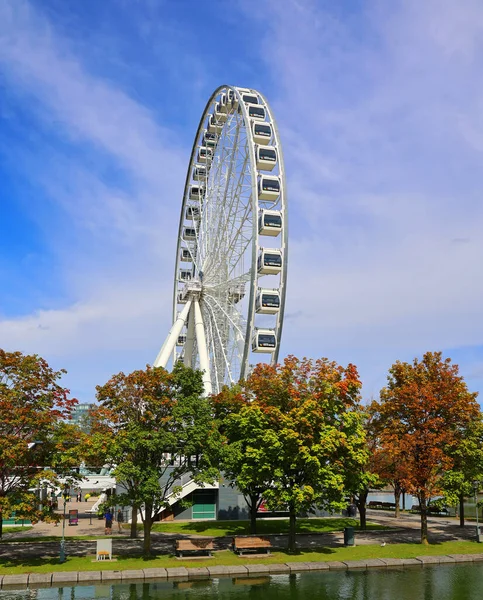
(476, 485)
(62, 541)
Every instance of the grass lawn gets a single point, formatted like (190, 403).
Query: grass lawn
(15, 528)
(264, 526)
(225, 557)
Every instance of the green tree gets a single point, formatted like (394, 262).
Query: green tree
(247, 452)
(308, 428)
(155, 428)
(467, 457)
(33, 410)
(362, 475)
(422, 417)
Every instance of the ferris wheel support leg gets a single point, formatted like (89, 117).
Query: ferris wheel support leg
(190, 340)
(170, 343)
(202, 348)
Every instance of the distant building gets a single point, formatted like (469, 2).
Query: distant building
(80, 415)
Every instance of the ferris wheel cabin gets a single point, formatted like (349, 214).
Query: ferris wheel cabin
(213, 125)
(205, 155)
(220, 115)
(256, 112)
(185, 275)
(262, 133)
(189, 234)
(264, 340)
(266, 157)
(200, 172)
(192, 213)
(249, 98)
(268, 187)
(270, 222)
(267, 301)
(185, 255)
(210, 140)
(269, 261)
(196, 192)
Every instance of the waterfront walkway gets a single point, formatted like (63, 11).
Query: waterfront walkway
(406, 529)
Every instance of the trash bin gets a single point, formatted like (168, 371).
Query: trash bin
(479, 534)
(349, 536)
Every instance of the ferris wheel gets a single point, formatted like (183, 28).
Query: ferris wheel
(231, 256)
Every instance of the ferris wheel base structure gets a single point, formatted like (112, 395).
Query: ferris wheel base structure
(231, 257)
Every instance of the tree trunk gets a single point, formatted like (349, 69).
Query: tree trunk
(1, 524)
(253, 513)
(134, 522)
(424, 520)
(148, 524)
(397, 500)
(292, 542)
(461, 500)
(362, 507)
(147, 535)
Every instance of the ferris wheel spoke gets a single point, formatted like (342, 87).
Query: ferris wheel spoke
(226, 313)
(221, 338)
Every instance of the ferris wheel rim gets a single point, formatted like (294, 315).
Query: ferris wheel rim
(255, 206)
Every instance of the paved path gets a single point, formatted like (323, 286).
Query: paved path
(403, 530)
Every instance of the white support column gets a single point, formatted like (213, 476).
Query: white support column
(170, 343)
(202, 348)
(190, 339)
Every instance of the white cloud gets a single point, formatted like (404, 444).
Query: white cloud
(380, 101)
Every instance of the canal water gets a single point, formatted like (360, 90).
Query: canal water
(456, 582)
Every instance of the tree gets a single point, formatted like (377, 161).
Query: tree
(248, 448)
(307, 424)
(422, 417)
(362, 476)
(467, 456)
(155, 428)
(33, 407)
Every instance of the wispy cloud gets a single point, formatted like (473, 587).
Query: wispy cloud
(380, 111)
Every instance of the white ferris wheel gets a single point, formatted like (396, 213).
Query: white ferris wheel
(231, 256)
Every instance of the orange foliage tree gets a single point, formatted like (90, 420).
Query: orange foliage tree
(421, 417)
(33, 410)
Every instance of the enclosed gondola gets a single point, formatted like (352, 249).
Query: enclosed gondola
(200, 172)
(269, 261)
(262, 133)
(214, 126)
(181, 341)
(196, 192)
(264, 340)
(219, 115)
(192, 213)
(189, 234)
(185, 255)
(266, 157)
(250, 98)
(270, 222)
(267, 301)
(205, 155)
(268, 187)
(255, 111)
(210, 140)
(185, 274)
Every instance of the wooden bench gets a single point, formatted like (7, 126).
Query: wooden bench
(240, 544)
(194, 545)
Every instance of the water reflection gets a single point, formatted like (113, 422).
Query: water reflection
(455, 582)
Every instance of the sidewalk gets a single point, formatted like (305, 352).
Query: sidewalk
(406, 529)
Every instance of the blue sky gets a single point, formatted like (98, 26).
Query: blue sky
(380, 107)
